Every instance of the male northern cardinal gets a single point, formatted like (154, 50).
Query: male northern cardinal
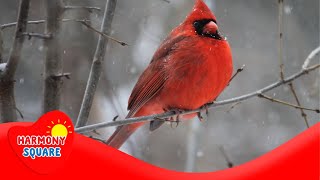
(190, 68)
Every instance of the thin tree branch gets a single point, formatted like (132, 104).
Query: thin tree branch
(310, 57)
(233, 106)
(7, 101)
(280, 26)
(209, 105)
(90, 9)
(53, 62)
(37, 35)
(237, 72)
(82, 21)
(103, 34)
(96, 67)
(3, 26)
(227, 159)
(303, 114)
(287, 103)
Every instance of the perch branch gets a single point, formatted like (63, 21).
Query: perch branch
(209, 105)
(7, 101)
(96, 66)
(310, 56)
(53, 62)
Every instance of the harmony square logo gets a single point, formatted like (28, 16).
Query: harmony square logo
(46, 144)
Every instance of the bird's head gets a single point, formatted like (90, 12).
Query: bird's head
(202, 21)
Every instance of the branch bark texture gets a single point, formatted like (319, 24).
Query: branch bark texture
(96, 66)
(7, 101)
(53, 62)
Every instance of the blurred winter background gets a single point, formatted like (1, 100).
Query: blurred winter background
(247, 131)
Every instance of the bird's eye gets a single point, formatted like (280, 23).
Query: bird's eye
(196, 24)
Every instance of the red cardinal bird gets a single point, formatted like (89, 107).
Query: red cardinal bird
(190, 68)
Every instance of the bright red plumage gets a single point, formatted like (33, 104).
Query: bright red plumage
(190, 68)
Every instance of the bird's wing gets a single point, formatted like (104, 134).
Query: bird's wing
(153, 78)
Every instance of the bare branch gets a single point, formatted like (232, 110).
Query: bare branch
(3, 26)
(237, 72)
(7, 101)
(37, 35)
(304, 115)
(311, 56)
(224, 154)
(96, 67)
(232, 106)
(103, 34)
(280, 26)
(53, 62)
(90, 9)
(209, 105)
(287, 103)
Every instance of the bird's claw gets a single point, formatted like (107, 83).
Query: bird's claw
(176, 117)
(200, 116)
(206, 108)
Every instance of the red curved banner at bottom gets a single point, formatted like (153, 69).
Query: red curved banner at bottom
(296, 159)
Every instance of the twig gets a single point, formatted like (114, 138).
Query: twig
(209, 105)
(3, 26)
(280, 26)
(103, 34)
(224, 154)
(37, 35)
(7, 101)
(82, 21)
(307, 61)
(237, 72)
(303, 114)
(53, 62)
(287, 103)
(90, 9)
(20, 113)
(96, 67)
(233, 105)
(310, 56)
